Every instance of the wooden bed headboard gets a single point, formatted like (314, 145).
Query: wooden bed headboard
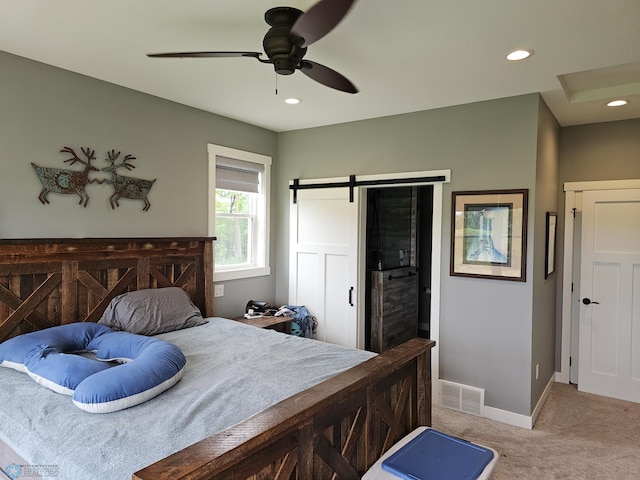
(49, 282)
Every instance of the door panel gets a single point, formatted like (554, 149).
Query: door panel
(615, 230)
(606, 324)
(337, 307)
(306, 284)
(609, 361)
(320, 221)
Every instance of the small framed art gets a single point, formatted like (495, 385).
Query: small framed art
(550, 246)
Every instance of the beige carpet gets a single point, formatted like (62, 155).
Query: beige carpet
(576, 436)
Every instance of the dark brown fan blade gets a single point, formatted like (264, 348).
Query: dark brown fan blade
(319, 20)
(327, 76)
(204, 55)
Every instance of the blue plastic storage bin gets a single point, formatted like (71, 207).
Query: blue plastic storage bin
(428, 454)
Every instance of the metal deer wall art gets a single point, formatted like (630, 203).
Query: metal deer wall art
(126, 187)
(63, 181)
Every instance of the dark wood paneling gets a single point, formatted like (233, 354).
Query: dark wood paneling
(394, 307)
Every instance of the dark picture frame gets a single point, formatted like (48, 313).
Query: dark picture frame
(550, 245)
(489, 234)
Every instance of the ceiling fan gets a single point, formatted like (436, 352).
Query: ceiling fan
(286, 42)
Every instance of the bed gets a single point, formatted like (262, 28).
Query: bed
(276, 417)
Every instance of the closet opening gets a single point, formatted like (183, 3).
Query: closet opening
(398, 265)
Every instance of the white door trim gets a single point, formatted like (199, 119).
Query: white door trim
(436, 249)
(571, 190)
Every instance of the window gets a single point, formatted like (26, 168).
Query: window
(238, 206)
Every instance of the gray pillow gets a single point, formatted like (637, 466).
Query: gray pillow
(152, 311)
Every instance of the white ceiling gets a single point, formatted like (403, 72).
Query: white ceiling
(403, 55)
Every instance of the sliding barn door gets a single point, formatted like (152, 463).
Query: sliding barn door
(323, 262)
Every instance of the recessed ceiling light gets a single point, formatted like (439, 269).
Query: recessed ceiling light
(617, 103)
(292, 101)
(519, 54)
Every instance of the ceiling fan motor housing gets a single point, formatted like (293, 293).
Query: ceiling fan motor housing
(283, 51)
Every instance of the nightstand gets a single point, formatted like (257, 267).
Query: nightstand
(281, 323)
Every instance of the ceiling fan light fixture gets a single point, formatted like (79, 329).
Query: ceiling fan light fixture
(292, 101)
(519, 54)
(617, 103)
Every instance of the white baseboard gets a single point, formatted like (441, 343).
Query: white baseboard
(543, 398)
(562, 377)
(517, 419)
(510, 418)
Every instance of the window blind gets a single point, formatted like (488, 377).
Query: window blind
(238, 175)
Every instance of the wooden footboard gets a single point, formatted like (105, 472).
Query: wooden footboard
(336, 429)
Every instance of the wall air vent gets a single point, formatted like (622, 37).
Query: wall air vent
(461, 397)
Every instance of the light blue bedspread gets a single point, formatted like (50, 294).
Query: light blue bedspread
(233, 371)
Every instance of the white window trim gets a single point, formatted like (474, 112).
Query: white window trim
(219, 150)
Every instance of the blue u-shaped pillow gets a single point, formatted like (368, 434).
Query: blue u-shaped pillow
(144, 367)
(150, 366)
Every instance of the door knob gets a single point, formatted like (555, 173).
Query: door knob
(588, 301)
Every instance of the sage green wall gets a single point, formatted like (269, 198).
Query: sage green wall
(485, 325)
(543, 323)
(44, 109)
(599, 151)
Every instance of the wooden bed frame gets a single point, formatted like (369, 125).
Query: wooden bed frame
(336, 429)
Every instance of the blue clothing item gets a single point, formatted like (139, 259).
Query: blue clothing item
(303, 319)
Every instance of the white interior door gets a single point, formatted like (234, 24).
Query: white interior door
(323, 261)
(609, 337)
